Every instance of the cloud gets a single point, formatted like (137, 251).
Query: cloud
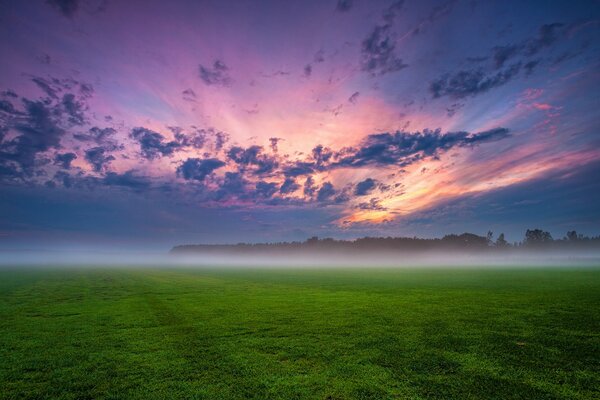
(46, 87)
(326, 192)
(39, 125)
(64, 160)
(128, 180)
(189, 95)
(365, 187)
(274, 141)
(466, 83)
(298, 168)
(403, 148)
(253, 156)
(471, 82)
(372, 204)
(307, 70)
(378, 52)
(74, 109)
(309, 187)
(379, 47)
(289, 185)
(97, 157)
(152, 144)
(68, 8)
(547, 36)
(354, 98)
(217, 75)
(266, 189)
(343, 5)
(501, 54)
(220, 139)
(234, 185)
(198, 169)
(319, 56)
(37, 131)
(104, 137)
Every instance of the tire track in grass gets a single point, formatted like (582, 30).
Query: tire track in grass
(209, 372)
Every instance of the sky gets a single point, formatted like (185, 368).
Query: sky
(154, 123)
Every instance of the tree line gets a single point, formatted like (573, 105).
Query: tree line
(534, 239)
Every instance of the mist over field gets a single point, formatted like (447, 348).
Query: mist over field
(432, 259)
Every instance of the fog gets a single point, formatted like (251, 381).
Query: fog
(429, 259)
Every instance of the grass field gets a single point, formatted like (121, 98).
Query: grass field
(300, 334)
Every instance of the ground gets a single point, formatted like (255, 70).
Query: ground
(299, 334)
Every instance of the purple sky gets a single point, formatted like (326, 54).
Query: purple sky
(165, 122)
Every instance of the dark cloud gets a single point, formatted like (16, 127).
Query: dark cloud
(74, 109)
(9, 93)
(403, 148)
(152, 144)
(46, 87)
(319, 56)
(195, 139)
(530, 66)
(547, 35)
(289, 186)
(68, 8)
(501, 54)
(372, 204)
(266, 189)
(128, 180)
(39, 126)
(38, 131)
(234, 185)
(468, 83)
(64, 178)
(307, 70)
(198, 169)
(343, 5)
(309, 187)
(98, 158)
(365, 187)
(354, 98)
(253, 156)
(378, 52)
(471, 82)
(104, 137)
(217, 75)
(326, 192)
(321, 155)
(64, 160)
(298, 168)
(189, 95)
(453, 108)
(52, 87)
(274, 141)
(220, 139)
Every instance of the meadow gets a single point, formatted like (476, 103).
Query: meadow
(150, 333)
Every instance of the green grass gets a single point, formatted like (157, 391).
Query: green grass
(300, 334)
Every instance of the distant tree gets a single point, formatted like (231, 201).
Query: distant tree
(312, 240)
(465, 240)
(537, 237)
(501, 242)
(489, 237)
(571, 236)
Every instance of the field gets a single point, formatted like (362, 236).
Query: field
(299, 334)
